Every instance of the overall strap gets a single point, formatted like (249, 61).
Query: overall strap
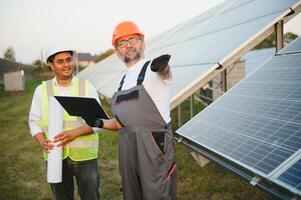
(49, 88)
(121, 83)
(140, 78)
(82, 87)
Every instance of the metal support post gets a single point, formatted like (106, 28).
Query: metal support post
(179, 115)
(224, 80)
(279, 35)
(191, 106)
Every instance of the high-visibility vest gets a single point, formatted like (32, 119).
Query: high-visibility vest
(83, 147)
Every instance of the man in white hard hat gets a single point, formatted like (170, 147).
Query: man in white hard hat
(79, 141)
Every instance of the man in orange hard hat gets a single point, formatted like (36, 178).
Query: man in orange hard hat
(141, 106)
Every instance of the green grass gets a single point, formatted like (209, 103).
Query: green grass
(23, 169)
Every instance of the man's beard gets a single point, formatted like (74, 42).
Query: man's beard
(136, 56)
(128, 59)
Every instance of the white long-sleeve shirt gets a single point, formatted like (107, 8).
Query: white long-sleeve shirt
(36, 110)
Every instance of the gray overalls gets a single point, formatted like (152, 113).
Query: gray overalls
(146, 156)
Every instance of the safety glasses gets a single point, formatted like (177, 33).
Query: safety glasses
(130, 41)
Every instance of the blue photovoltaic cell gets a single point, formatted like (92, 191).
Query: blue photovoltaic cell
(292, 176)
(257, 123)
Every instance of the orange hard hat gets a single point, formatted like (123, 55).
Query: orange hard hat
(125, 28)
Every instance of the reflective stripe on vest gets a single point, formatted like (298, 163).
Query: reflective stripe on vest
(83, 147)
(68, 124)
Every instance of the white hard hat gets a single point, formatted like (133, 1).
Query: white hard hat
(56, 48)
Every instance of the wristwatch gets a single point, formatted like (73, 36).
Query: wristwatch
(99, 123)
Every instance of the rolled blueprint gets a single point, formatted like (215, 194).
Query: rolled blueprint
(55, 126)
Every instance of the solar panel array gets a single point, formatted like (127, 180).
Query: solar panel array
(257, 124)
(198, 44)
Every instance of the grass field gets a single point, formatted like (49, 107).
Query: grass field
(22, 169)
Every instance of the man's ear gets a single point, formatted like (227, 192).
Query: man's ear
(50, 64)
(117, 52)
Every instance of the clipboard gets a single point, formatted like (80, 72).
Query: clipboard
(79, 106)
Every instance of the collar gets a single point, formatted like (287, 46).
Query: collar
(139, 64)
(73, 81)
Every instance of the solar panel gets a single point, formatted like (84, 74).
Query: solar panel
(184, 75)
(198, 44)
(292, 177)
(256, 124)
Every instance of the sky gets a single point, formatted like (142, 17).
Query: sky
(29, 26)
